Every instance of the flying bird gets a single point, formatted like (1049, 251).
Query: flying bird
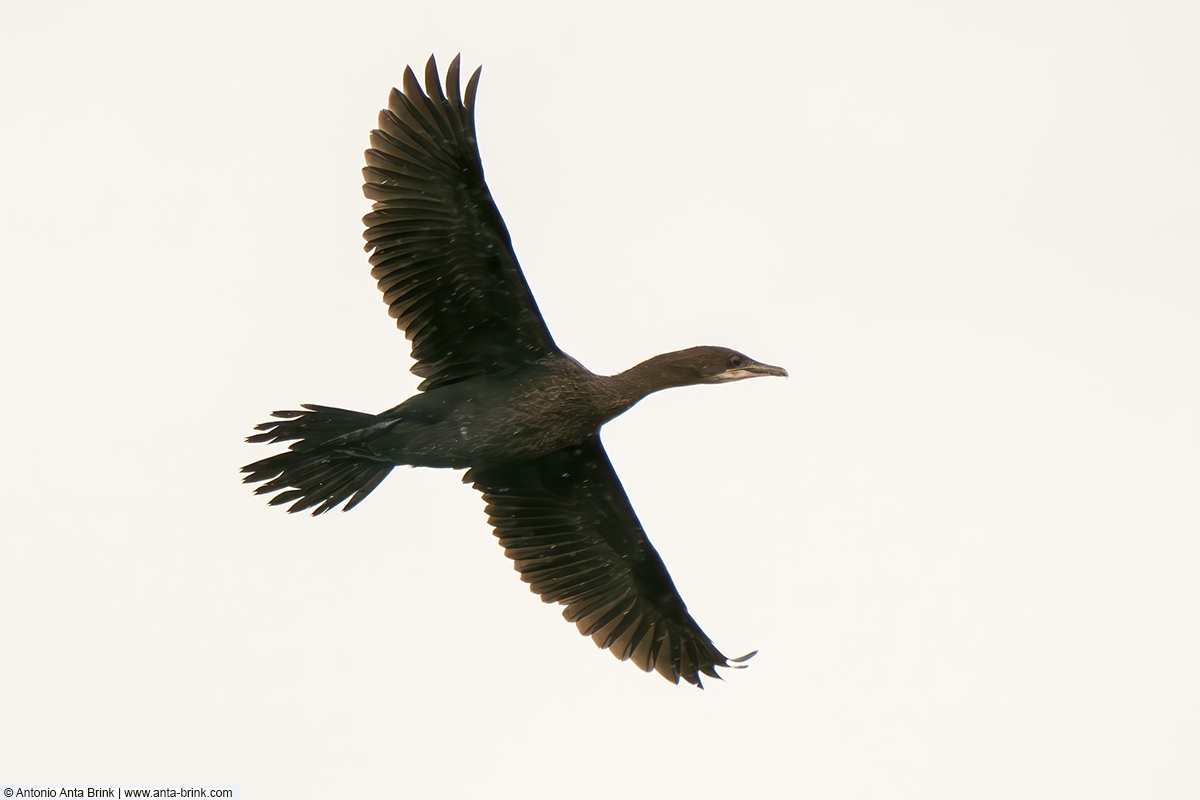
(498, 397)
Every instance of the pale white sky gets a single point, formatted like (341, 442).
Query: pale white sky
(963, 535)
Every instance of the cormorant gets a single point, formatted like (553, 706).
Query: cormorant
(498, 398)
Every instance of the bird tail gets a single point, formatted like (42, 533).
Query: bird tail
(327, 463)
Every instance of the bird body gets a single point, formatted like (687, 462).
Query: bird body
(499, 398)
(496, 418)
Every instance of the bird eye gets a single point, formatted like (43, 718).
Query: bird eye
(735, 361)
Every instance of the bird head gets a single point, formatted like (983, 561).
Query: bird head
(708, 364)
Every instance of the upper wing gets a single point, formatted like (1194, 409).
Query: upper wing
(442, 256)
(567, 523)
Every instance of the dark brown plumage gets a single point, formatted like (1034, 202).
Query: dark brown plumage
(498, 398)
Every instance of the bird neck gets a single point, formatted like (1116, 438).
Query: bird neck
(626, 388)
